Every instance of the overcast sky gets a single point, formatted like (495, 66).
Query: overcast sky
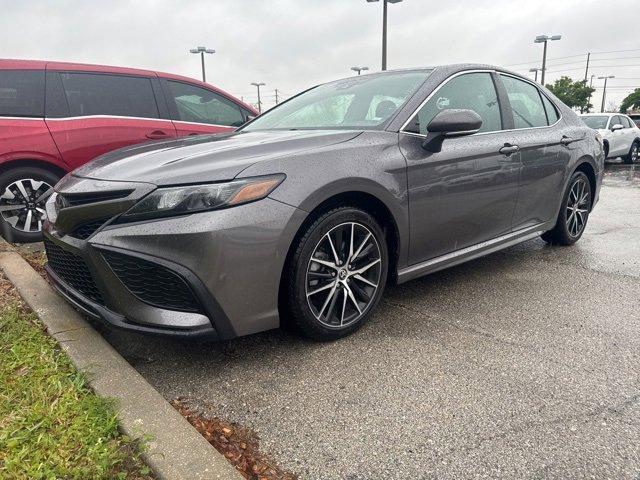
(293, 44)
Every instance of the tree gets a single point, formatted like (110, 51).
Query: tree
(573, 94)
(631, 102)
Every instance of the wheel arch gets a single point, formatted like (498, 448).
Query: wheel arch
(363, 200)
(585, 166)
(33, 162)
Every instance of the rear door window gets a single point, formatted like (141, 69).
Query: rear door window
(552, 113)
(526, 103)
(22, 93)
(199, 105)
(105, 94)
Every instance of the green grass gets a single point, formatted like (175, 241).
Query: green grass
(52, 425)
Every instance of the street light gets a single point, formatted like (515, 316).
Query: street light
(202, 51)
(544, 39)
(536, 70)
(258, 85)
(604, 92)
(359, 69)
(384, 29)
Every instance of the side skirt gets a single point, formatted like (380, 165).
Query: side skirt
(469, 253)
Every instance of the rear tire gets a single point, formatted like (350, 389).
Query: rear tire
(23, 223)
(337, 274)
(634, 151)
(574, 212)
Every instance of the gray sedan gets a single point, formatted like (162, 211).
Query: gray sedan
(304, 214)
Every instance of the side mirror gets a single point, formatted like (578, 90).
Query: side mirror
(615, 127)
(451, 123)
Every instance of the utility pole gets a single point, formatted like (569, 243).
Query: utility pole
(202, 51)
(258, 85)
(586, 71)
(384, 29)
(545, 39)
(604, 92)
(276, 96)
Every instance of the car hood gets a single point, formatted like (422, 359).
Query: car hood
(205, 158)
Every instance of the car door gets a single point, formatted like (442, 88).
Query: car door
(89, 113)
(465, 193)
(616, 138)
(545, 143)
(630, 133)
(196, 110)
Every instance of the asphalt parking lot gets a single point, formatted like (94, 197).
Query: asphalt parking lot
(523, 364)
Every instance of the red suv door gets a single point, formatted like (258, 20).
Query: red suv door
(196, 109)
(91, 113)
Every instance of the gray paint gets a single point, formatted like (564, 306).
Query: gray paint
(462, 202)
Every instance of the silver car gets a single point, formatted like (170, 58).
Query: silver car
(303, 215)
(620, 134)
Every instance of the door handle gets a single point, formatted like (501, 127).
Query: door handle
(156, 134)
(566, 140)
(508, 149)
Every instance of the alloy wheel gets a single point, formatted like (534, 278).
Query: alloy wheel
(578, 205)
(343, 275)
(634, 153)
(22, 204)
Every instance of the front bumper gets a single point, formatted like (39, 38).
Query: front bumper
(230, 260)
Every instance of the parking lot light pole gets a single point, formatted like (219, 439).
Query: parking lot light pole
(258, 85)
(545, 39)
(604, 92)
(384, 29)
(536, 70)
(202, 51)
(359, 69)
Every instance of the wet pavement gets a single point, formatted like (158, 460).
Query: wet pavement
(522, 364)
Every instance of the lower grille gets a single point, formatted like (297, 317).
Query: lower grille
(73, 270)
(85, 230)
(153, 283)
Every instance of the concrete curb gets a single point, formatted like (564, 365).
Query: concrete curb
(176, 450)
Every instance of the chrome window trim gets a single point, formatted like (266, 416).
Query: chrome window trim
(8, 117)
(444, 82)
(124, 117)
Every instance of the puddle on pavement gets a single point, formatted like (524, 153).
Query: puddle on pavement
(618, 174)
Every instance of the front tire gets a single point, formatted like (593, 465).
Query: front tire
(337, 274)
(23, 193)
(634, 152)
(574, 212)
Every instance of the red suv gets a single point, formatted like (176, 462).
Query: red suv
(55, 117)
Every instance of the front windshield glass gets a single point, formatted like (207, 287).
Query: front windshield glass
(595, 122)
(354, 103)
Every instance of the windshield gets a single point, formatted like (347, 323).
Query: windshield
(596, 122)
(358, 102)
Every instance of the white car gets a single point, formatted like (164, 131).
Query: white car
(620, 134)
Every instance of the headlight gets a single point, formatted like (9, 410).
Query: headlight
(166, 202)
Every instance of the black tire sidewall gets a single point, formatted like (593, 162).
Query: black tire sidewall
(18, 173)
(299, 308)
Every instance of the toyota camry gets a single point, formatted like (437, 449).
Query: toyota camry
(303, 215)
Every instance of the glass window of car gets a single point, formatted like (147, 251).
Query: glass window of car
(526, 103)
(472, 91)
(21, 93)
(366, 101)
(550, 108)
(615, 121)
(626, 123)
(105, 94)
(195, 104)
(597, 122)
